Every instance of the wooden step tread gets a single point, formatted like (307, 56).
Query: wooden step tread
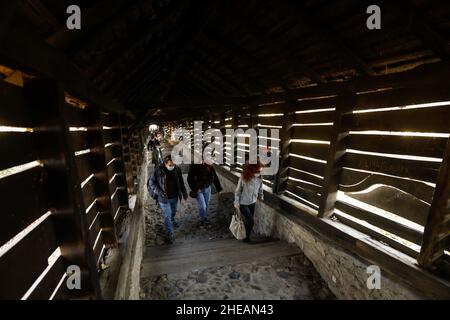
(186, 257)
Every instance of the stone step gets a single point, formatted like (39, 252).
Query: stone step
(179, 258)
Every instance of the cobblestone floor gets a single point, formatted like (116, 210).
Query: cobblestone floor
(279, 278)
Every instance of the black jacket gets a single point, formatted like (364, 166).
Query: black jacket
(157, 185)
(201, 176)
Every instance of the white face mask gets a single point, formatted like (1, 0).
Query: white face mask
(257, 174)
(170, 168)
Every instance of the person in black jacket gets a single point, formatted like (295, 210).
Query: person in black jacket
(166, 185)
(151, 143)
(200, 178)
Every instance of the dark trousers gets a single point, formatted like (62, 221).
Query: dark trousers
(247, 212)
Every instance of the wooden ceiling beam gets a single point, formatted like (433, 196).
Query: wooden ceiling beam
(240, 56)
(201, 20)
(432, 75)
(28, 52)
(419, 27)
(105, 27)
(211, 69)
(244, 55)
(8, 10)
(204, 83)
(242, 77)
(100, 12)
(265, 38)
(42, 10)
(142, 34)
(329, 36)
(136, 75)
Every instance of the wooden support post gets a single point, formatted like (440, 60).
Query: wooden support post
(234, 125)
(280, 181)
(56, 152)
(345, 102)
(436, 235)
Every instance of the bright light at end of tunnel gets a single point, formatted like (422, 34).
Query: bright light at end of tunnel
(153, 127)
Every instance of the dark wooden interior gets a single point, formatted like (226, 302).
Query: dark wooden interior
(364, 116)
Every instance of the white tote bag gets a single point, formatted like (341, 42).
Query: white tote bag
(237, 226)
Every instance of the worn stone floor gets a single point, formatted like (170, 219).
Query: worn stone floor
(284, 277)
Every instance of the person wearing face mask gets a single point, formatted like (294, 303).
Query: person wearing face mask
(200, 178)
(249, 188)
(166, 185)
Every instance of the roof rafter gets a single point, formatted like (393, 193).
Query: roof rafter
(330, 37)
(420, 28)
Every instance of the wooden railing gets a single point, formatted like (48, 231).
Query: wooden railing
(377, 160)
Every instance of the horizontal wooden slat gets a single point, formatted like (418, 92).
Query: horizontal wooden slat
(112, 135)
(63, 293)
(322, 133)
(272, 108)
(416, 146)
(90, 215)
(14, 107)
(401, 97)
(304, 176)
(118, 181)
(271, 121)
(82, 140)
(115, 167)
(49, 283)
(317, 151)
(94, 230)
(84, 165)
(397, 202)
(306, 186)
(306, 194)
(301, 200)
(115, 204)
(76, 117)
(312, 104)
(113, 152)
(307, 165)
(435, 119)
(420, 170)
(24, 263)
(353, 181)
(25, 200)
(377, 236)
(381, 222)
(98, 248)
(16, 149)
(110, 120)
(88, 192)
(314, 117)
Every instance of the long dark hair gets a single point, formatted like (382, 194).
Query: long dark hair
(249, 170)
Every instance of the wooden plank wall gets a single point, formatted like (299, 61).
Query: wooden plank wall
(63, 174)
(370, 159)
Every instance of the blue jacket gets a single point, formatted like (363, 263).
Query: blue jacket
(157, 186)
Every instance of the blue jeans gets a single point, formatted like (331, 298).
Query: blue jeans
(203, 201)
(248, 211)
(169, 209)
